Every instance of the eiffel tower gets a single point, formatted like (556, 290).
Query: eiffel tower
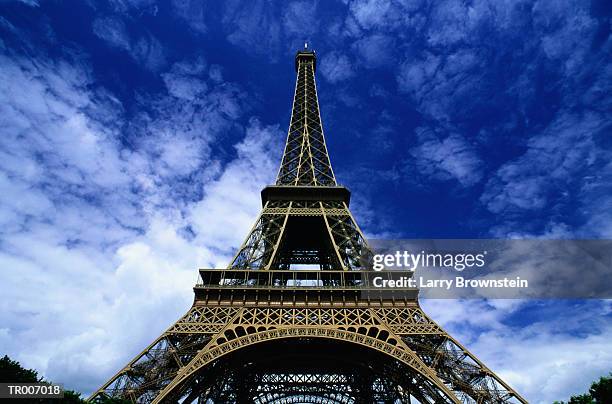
(293, 319)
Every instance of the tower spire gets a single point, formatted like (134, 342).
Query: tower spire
(305, 161)
(305, 218)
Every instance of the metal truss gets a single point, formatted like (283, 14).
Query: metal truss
(256, 334)
(305, 160)
(341, 244)
(445, 370)
(145, 376)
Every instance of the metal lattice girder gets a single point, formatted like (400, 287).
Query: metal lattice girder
(270, 244)
(272, 386)
(238, 336)
(205, 320)
(228, 348)
(337, 388)
(258, 249)
(342, 244)
(301, 398)
(437, 359)
(363, 388)
(147, 374)
(461, 370)
(305, 160)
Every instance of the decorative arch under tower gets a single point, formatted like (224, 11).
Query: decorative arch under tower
(294, 319)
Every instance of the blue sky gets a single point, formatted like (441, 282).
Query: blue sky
(135, 137)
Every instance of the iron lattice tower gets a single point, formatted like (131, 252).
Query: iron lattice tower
(293, 319)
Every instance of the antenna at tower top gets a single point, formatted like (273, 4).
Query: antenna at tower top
(305, 45)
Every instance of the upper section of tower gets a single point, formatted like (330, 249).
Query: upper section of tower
(305, 160)
(305, 55)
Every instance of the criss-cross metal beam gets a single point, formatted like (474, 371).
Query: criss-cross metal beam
(305, 160)
(257, 325)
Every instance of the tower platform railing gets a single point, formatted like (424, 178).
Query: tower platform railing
(298, 279)
(302, 285)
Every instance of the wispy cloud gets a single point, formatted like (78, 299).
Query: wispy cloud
(556, 171)
(451, 157)
(375, 50)
(113, 31)
(223, 217)
(382, 15)
(144, 48)
(300, 19)
(254, 26)
(193, 12)
(371, 13)
(448, 88)
(32, 3)
(336, 67)
(101, 219)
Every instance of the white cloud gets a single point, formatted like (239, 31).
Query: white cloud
(149, 52)
(567, 32)
(446, 87)
(193, 12)
(452, 157)
(449, 85)
(141, 6)
(96, 239)
(83, 300)
(375, 50)
(449, 23)
(550, 359)
(113, 31)
(144, 48)
(555, 158)
(183, 80)
(371, 13)
(413, 76)
(300, 19)
(382, 15)
(336, 67)
(31, 3)
(252, 26)
(226, 213)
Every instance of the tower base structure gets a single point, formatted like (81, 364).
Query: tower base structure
(244, 342)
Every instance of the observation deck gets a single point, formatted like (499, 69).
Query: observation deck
(287, 287)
